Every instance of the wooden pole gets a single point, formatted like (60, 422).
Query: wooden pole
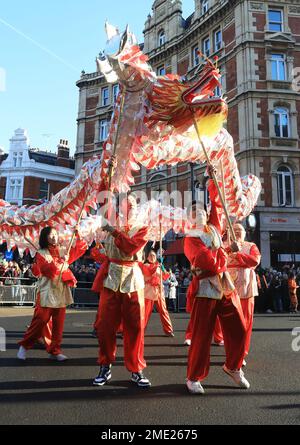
(29, 242)
(160, 248)
(215, 181)
(110, 173)
(74, 233)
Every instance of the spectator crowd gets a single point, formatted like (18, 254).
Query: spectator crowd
(279, 289)
(13, 272)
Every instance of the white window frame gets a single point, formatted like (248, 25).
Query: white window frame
(204, 50)
(116, 89)
(161, 37)
(218, 43)
(283, 175)
(218, 91)
(198, 191)
(195, 56)
(277, 61)
(103, 130)
(206, 195)
(161, 70)
(44, 181)
(275, 23)
(204, 6)
(15, 189)
(17, 159)
(105, 97)
(281, 111)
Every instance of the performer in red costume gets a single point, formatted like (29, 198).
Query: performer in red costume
(154, 294)
(121, 286)
(217, 335)
(214, 295)
(98, 254)
(241, 266)
(54, 292)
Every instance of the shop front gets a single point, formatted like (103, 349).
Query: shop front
(280, 238)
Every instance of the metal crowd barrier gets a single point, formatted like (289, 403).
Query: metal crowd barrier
(181, 298)
(84, 296)
(15, 291)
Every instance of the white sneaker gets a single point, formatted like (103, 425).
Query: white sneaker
(219, 343)
(194, 387)
(238, 377)
(58, 357)
(21, 355)
(187, 342)
(244, 363)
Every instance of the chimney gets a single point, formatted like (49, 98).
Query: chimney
(63, 153)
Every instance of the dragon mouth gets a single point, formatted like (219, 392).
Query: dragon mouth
(203, 89)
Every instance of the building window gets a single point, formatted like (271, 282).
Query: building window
(217, 92)
(195, 56)
(115, 92)
(206, 47)
(161, 38)
(278, 67)
(17, 159)
(206, 194)
(275, 20)
(282, 124)
(285, 187)
(44, 190)
(103, 130)
(218, 40)
(105, 97)
(15, 189)
(204, 6)
(161, 71)
(198, 191)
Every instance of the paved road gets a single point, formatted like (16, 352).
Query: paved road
(39, 391)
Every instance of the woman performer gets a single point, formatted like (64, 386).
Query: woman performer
(54, 292)
(153, 295)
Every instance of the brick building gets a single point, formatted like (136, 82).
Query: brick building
(258, 45)
(30, 176)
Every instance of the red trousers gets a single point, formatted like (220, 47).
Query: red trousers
(161, 307)
(248, 311)
(203, 320)
(218, 334)
(36, 330)
(115, 307)
(188, 332)
(47, 331)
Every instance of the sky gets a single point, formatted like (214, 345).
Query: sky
(44, 46)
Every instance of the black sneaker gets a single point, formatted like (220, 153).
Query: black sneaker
(140, 379)
(104, 376)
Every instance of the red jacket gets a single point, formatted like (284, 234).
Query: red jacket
(51, 270)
